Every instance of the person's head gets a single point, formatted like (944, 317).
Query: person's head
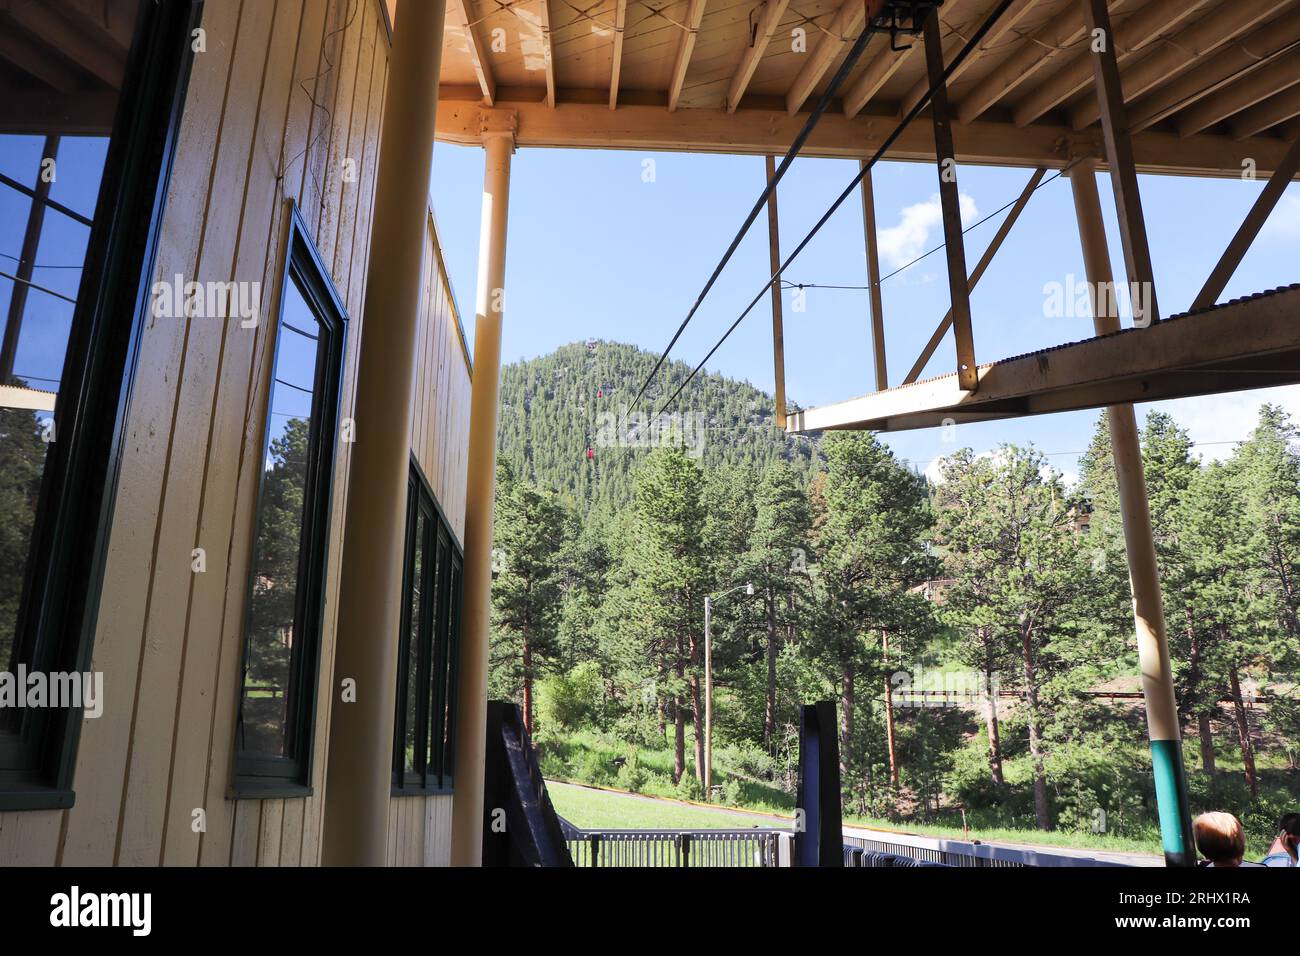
(1288, 837)
(1220, 838)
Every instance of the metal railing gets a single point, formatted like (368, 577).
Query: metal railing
(671, 848)
(964, 853)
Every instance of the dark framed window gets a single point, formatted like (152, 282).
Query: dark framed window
(286, 591)
(85, 161)
(428, 644)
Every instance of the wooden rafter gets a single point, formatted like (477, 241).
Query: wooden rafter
(1217, 71)
(1268, 114)
(616, 60)
(685, 47)
(883, 66)
(1179, 53)
(474, 44)
(770, 19)
(843, 30)
(548, 54)
(1273, 78)
(1131, 36)
(996, 35)
(1046, 44)
(104, 60)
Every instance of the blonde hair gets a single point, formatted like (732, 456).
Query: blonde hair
(1220, 838)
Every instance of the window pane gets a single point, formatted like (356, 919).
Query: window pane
(449, 676)
(268, 701)
(411, 723)
(59, 117)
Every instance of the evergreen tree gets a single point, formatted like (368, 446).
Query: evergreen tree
(528, 531)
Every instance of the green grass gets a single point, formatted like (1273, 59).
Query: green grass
(603, 810)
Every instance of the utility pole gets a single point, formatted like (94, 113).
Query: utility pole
(708, 684)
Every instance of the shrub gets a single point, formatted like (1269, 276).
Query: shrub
(571, 700)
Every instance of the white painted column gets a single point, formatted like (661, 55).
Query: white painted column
(471, 703)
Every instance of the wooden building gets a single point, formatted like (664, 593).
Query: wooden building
(248, 473)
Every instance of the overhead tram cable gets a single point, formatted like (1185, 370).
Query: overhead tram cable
(889, 141)
(850, 60)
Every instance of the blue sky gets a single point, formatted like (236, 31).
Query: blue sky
(595, 251)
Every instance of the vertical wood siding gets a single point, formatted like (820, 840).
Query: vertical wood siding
(284, 104)
(419, 828)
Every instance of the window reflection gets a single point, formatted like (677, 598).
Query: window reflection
(51, 165)
(268, 702)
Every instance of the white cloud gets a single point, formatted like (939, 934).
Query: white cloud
(902, 243)
(1217, 422)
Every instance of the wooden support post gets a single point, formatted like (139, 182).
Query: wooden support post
(873, 280)
(1139, 543)
(950, 202)
(360, 771)
(1123, 170)
(778, 333)
(975, 276)
(1250, 227)
(480, 492)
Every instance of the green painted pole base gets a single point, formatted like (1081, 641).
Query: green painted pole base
(1171, 802)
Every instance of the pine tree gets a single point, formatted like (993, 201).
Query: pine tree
(776, 564)
(1011, 542)
(870, 553)
(526, 592)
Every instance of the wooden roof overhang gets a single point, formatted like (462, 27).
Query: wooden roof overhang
(1189, 87)
(1210, 84)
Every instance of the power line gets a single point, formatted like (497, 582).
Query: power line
(889, 141)
(787, 284)
(840, 75)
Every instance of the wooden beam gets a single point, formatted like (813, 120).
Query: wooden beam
(548, 54)
(616, 60)
(878, 72)
(102, 59)
(1131, 36)
(583, 120)
(1006, 23)
(1178, 54)
(1212, 74)
(459, 12)
(1281, 74)
(770, 19)
(1249, 229)
(873, 280)
(985, 260)
(1266, 115)
(950, 203)
(685, 47)
(1027, 59)
(844, 29)
(1249, 343)
(1123, 166)
(75, 114)
(22, 54)
(778, 329)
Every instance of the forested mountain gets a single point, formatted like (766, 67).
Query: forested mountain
(566, 425)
